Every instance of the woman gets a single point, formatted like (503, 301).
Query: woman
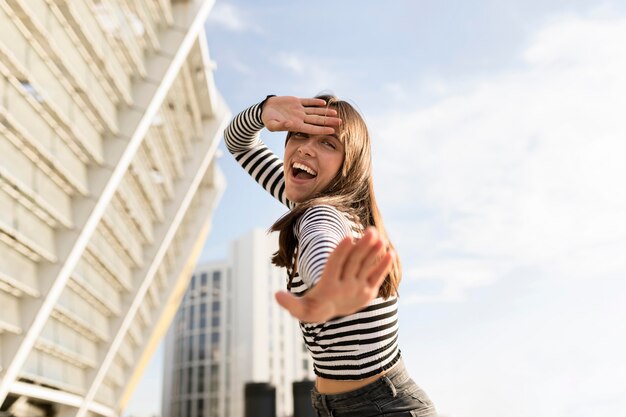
(344, 293)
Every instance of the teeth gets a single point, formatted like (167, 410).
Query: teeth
(304, 168)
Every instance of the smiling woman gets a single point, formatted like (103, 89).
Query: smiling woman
(311, 163)
(343, 292)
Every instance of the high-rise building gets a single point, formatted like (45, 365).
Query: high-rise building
(229, 331)
(109, 123)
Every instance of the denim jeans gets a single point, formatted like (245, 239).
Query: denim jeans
(393, 395)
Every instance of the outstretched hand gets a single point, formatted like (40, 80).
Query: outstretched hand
(305, 115)
(352, 276)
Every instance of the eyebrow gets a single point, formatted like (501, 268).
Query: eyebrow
(308, 135)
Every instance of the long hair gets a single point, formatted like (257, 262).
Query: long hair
(351, 191)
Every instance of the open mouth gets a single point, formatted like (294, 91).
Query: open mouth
(302, 171)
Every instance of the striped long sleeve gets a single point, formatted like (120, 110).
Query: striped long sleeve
(242, 138)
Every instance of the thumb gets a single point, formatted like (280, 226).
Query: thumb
(278, 125)
(290, 302)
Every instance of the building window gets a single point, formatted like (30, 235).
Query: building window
(202, 347)
(190, 348)
(189, 380)
(215, 321)
(190, 317)
(200, 380)
(214, 379)
(215, 338)
(179, 350)
(203, 314)
(203, 279)
(200, 410)
(215, 306)
(217, 277)
(188, 413)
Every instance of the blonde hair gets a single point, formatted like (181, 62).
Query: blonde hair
(351, 191)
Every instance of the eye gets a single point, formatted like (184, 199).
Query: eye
(329, 143)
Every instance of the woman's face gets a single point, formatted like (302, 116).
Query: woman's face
(311, 162)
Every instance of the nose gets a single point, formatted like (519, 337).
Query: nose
(306, 148)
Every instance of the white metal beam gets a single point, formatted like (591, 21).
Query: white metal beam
(175, 212)
(58, 397)
(176, 286)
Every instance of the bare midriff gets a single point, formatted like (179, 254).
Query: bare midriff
(335, 386)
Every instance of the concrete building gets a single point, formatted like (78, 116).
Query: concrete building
(109, 123)
(230, 331)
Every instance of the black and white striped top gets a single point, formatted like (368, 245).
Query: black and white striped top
(348, 348)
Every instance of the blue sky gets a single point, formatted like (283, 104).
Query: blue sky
(499, 164)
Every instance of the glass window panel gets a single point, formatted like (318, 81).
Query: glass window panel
(203, 315)
(189, 379)
(217, 277)
(201, 371)
(200, 410)
(202, 347)
(190, 348)
(190, 318)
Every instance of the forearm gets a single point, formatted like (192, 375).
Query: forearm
(242, 134)
(319, 231)
(243, 141)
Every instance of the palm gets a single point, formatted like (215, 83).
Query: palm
(348, 283)
(299, 115)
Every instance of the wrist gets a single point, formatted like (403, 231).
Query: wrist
(259, 108)
(262, 104)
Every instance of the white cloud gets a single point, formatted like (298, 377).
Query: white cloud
(241, 67)
(309, 73)
(291, 62)
(231, 18)
(396, 91)
(523, 168)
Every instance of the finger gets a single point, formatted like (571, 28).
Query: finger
(315, 130)
(373, 258)
(380, 272)
(314, 119)
(321, 111)
(335, 262)
(276, 126)
(359, 252)
(294, 305)
(312, 102)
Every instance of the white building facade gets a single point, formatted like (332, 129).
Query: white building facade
(109, 123)
(229, 331)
